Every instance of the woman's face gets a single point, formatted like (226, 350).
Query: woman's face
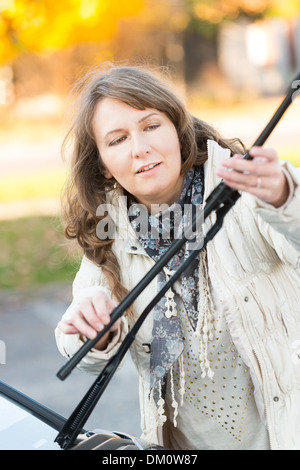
(140, 149)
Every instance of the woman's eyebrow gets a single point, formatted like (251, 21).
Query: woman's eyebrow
(120, 129)
(112, 132)
(146, 117)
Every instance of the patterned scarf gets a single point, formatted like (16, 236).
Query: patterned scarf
(167, 342)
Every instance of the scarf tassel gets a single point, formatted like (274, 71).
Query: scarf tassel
(158, 408)
(204, 329)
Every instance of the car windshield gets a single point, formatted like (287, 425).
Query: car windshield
(20, 430)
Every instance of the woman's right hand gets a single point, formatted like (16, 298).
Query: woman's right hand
(90, 317)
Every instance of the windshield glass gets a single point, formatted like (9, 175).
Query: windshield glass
(20, 430)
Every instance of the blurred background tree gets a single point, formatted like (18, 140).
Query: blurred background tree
(46, 26)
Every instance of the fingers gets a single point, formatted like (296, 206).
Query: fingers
(262, 176)
(89, 317)
(264, 163)
(264, 153)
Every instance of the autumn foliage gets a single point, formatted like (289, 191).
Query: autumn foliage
(47, 25)
(42, 26)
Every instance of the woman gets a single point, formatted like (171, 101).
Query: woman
(216, 356)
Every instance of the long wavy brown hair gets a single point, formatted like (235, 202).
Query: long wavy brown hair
(87, 186)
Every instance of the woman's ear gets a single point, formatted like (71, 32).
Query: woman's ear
(106, 173)
(103, 170)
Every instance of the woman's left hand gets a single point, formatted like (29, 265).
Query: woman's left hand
(263, 176)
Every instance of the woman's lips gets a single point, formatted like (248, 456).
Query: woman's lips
(148, 169)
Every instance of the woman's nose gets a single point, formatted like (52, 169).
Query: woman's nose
(140, 146)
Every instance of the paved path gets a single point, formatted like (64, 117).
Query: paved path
(27, 322)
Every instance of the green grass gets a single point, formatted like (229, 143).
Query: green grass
(33, 251)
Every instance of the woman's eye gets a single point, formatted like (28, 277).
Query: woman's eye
(152, 127)
(117, 141)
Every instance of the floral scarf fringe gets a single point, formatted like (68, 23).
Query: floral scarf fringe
(204, 330)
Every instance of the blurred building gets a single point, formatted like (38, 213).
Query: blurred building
(261, 56)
